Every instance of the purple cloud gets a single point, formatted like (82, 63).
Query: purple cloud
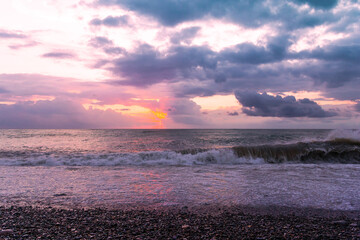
(233, 113)
(185, 35)
(248, 13)
(186, 112)
(27, 85)
(24, 45)
(357, 107)
(59, 113)
(60, 55)
(99, 42)
(147, 66)
(264, 105)
(111, 21)
(107, 45)
(10, 34)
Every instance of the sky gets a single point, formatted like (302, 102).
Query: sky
(179, 64)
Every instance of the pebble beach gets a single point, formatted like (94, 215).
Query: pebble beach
(206, 222)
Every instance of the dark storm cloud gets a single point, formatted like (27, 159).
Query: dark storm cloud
(249, 67)
(251, 13)
(264, 105)
(199, 71)
(185, 35)
(244, 66)
(332, 74)
(345, 92)
(275, 50)
(60, 55)
(10, 34)
(192, 90)
(167, 12)
(111, 21)
(147, 66)
(347, 53)
(323, 4)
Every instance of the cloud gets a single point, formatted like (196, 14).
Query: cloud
(185, 111)
(322, 4)
(99, 42)
(233, 113)
(270, 62)
(147, 66)
(115, 50)
(2, 90)
(249, 66)
(24, 45)
(333, 74)
(264, 105)
(276, 50)
(111, 21)
(107, 45)
(26, 86)
(246, 13)
(357, 107)
(348, 53)
(185, 35)
(11, 34)
(59, 113)
(59, 55)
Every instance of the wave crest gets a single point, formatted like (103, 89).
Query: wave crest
(344, 135)
(340, 146)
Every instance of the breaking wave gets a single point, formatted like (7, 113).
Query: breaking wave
(340, 146)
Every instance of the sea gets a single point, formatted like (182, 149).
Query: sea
(183, 167)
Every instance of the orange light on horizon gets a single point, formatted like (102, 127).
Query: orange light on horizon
(160, 115)
(7, 103)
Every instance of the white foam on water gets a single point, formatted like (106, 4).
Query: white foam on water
(344, 134)
(169, 158)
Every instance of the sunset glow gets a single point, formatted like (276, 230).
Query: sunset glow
(185, 67)
(160, 115)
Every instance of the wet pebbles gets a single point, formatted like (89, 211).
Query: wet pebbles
(208, 222)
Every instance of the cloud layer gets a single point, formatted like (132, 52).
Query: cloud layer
(143, 58)
(264, 105)
(56, 113)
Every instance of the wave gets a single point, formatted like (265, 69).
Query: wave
(213, 156)
(340, 146)
(335, 151)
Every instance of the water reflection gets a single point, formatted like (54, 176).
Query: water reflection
(327, 186)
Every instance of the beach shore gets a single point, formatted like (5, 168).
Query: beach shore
(201, 222)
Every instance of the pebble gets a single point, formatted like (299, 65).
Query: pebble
(6, 232)
(226, 223)
(340, 222)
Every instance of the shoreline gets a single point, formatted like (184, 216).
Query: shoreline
(178, 222)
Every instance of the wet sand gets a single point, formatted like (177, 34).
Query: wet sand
(201, 222)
